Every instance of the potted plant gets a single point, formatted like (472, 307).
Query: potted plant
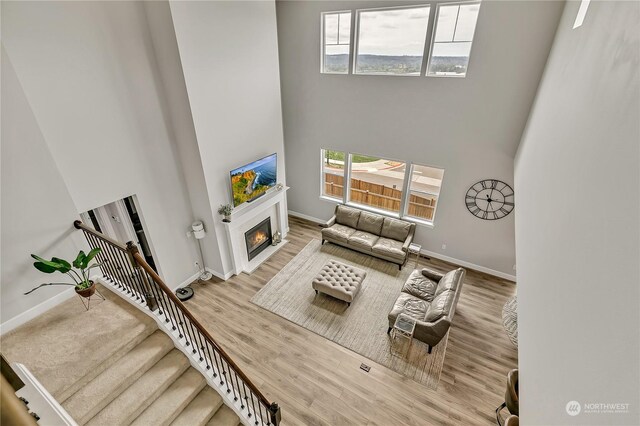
(225, 210)
(79, 271)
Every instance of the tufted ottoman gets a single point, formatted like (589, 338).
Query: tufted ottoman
(339, 280)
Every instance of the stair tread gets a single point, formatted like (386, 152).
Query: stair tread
(225, 416)
(47, 343)
(173, 400)
(200, 410)
(98, 393)
(137, 397)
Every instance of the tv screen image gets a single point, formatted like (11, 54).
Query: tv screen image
(254, 179)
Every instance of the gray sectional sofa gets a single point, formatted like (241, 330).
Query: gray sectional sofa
(376, 235)
(430, 298)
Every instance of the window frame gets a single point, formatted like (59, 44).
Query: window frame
(405, 212)
(322, 177)
(356, 39)
(435, 28)
(323, 44)
(406, 189)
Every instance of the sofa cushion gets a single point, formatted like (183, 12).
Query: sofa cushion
(363, 240)
(389, 248)
(449, 281)
(420, 286)
(409, 305)
(337, 232)
(347, 216)
(440, 306)
(370, 222)
(395, 229)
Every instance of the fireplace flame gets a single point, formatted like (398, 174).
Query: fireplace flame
(258, 238)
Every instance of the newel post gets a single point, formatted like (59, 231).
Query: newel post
(275, 414)
(152, 303)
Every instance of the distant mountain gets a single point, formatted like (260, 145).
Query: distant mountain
(383, 64)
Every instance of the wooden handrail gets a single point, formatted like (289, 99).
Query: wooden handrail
(79, 225)
(144, 265)
(150, 282)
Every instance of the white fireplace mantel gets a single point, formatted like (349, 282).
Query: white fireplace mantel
(272, 204)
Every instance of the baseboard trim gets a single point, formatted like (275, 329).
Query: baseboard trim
(223, 277)
(37, 310)
(430, 253)
(469, 265)
(304, 216)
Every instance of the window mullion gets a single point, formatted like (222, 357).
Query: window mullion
(428, 43)
(406, 190)
(346, 190)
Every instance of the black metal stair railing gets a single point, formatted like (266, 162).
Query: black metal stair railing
(124, 267)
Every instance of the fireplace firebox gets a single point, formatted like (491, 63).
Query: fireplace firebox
(258, 238)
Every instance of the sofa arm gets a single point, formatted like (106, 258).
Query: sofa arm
(432, 275)
(432, 332)
(329, 223)
(407, 243)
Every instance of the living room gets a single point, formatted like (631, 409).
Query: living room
(396, 173)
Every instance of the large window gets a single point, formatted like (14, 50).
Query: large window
(397, 40)
(336, 33)
(391, 187)
(333, 166)
(451, 47)
(391, 41)
(376, 182)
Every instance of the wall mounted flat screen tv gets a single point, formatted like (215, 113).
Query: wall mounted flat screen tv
(254, 179)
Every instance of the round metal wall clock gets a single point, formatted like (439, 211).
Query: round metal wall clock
(490, 199)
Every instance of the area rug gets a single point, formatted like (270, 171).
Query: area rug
(362, 327)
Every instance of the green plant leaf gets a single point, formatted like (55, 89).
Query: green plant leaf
(79, 259)
(89, 257)
(57, 266)
(43, 267)
(65, 266)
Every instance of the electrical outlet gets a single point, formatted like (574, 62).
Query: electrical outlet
(444, 247)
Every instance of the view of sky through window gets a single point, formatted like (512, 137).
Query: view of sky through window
(392, 41)
(455, 26)
(337, 33)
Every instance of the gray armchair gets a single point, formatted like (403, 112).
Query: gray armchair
(430, 298)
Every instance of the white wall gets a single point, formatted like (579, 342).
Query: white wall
(577, 225)
(470, 127)
(229, 55)
(89, 75)
(31, 184)
(177, 104)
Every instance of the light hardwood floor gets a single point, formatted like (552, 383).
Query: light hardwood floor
(318, 382)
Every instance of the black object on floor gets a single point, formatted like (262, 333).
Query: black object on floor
(184, 293)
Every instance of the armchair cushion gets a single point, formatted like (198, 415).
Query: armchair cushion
(347, 216)
(337, 232)
(370, 222)
(420, 286)
(395, 229)
(440, 306)
(363, 240)
(432, 275)
(408, 305)
(449, 281)
(389, 248)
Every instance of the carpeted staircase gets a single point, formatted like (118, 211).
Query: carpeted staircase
(116, 374)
